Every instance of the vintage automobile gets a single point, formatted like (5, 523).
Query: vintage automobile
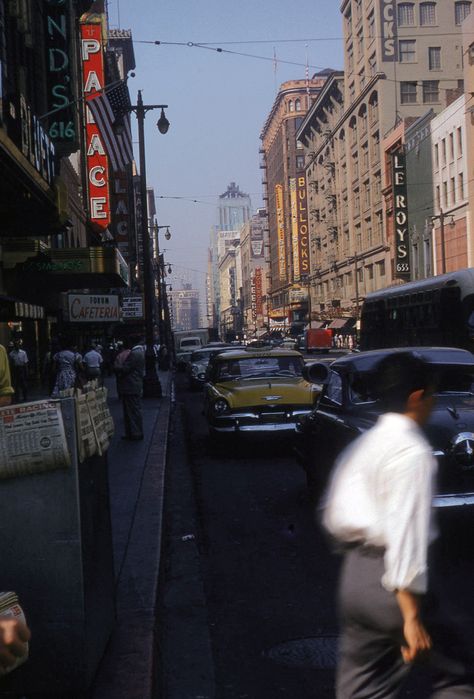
(197, 366)
(347, 407)
(257, 390)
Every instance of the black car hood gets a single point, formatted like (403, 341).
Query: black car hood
(451, 416)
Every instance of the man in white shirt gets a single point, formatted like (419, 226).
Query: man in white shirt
(379, 507)
(92, 361)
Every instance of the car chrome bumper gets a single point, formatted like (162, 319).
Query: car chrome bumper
(454, 500)
(250, 422)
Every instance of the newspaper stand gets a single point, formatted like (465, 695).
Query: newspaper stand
(56, 554)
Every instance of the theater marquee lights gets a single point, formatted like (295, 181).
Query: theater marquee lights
(96, 158)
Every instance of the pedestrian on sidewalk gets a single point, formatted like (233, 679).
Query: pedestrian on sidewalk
(6, 388)
(379, 508)
(19, 364)
(129, 373)
(92, 362)
(68, 367)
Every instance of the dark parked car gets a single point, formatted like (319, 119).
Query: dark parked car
(348, 406)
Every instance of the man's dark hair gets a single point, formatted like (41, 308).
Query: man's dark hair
(397, 376)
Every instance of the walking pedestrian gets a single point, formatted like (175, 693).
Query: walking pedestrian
(6, 388)
(92, 362)
(19, 364)
(129, 373)
(68, 366)
(379, 509)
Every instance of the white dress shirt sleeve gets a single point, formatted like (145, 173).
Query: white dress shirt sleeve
(408, 486)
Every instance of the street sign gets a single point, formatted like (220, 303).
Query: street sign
(132, 307)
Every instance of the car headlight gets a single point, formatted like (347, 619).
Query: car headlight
(202, 376)
(220, 406)
(194, 370)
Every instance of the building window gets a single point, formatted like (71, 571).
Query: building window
(361, 78)
(382, 268)
(445, 194)
(360, 43)
(436, 156)
(443, 151)
(365, 157)
(350, 59)
(451, 146)
(430, 91)
(461, 11)
(438, 197)
(352, 92)
(372, 64)
(453, 191)
(370, 271)
(459, 132)
(356, 202)
(291, 106)
(461, 185)
(407, 51)
(408, 92)
(371, 25)
(299, 145)
(406, 14)
(298, 105)
(366, 195)
(427, 14)
(434, 58)
(300, 162)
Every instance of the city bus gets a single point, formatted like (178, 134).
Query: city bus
(436, 312)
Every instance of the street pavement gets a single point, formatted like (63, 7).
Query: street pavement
(136, 480)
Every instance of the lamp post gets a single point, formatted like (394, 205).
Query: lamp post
(151, 381)
(441, 217)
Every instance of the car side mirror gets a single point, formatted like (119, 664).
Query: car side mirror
(316, 373)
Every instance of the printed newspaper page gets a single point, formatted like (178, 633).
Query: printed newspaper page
(32, 439)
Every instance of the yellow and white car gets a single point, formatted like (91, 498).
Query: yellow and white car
(257, 390)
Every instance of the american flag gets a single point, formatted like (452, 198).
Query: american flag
(109, 109)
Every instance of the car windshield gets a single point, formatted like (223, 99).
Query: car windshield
(450, 381)
(202, 356)
(192, 342)
(259, 367)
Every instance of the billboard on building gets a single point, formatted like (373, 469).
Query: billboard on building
(280, 215)
(96, 159)
(299, 227)
(60, 78)
(388, 30)
(400, 212)
(258, 291)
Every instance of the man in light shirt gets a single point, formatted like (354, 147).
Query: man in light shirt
(379, 507)
(92, 361)
(19, 364)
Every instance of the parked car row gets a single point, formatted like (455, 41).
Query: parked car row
(326, 405)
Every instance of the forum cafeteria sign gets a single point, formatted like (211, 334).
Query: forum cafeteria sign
(93, 308)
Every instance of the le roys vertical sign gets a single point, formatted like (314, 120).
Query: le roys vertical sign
(400, 211)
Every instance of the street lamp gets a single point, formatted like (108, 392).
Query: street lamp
(156, 230)
(151, 381)
(441, 217)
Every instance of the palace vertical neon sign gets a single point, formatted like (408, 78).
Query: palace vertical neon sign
(96, 158)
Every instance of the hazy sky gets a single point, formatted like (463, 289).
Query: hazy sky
(218, 102)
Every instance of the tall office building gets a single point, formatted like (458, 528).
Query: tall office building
(233, 210)
(401, 59)
(283, 165)
(185, 303)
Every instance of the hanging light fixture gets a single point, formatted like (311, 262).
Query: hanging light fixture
(167, 234)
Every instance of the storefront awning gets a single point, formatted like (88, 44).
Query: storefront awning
(342, 324)
(12, 309)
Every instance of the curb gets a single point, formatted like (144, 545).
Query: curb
(128, 667)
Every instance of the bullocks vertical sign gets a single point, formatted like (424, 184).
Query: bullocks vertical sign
(400, 210)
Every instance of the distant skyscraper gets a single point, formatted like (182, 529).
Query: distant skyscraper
(234, 209)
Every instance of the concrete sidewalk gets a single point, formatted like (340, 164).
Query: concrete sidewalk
(136, 478)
